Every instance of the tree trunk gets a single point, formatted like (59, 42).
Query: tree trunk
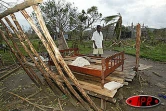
(62, 44)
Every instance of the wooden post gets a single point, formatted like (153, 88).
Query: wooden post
(19, 59)
(61, 60)
(55, 61)
(19, 52)
(138, 35)
(122, 60)
(22, 40)
(103, 101)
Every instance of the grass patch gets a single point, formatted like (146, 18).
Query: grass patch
(85, 47)
(153, 52)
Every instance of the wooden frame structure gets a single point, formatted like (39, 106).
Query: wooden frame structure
(100, 67)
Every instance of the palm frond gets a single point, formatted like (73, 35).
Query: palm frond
(109, 18)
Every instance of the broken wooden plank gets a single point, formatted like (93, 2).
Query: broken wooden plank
(126, 83)
(18, 7)
(30, 64)
(91, 93)
(7, 67)
(129, 80)
(94, 90)
(157, 74)
(129, 77)
(7, 74)
(97, 89)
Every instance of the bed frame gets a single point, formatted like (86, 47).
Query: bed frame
(99, 66)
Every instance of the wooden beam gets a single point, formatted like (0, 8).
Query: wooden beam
(18, 7)
(97, 89)
(46, 44)
(61, 61)
(19, 59)
(93, 89)
(91, 93)
(138, 36)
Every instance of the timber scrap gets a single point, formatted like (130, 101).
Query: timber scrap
(51, 77)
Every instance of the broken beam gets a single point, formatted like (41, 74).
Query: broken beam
(19, 7)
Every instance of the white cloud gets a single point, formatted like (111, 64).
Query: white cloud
(149, 12)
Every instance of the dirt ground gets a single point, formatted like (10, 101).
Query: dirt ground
(151, 81)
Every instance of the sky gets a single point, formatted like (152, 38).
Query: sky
(151, 13)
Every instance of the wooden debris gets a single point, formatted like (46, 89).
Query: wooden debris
(34, 94)
(3, 71)
(60, 106)
(53, 58)
(36, 105)
(129, 80)
(18, 54)
(7, 74)
(126, 83)
(18, 7)
(97, 89)
(157, 74)
(64, 65)
(7, 67)
(30, 64)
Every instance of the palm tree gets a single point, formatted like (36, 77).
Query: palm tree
(118, 26)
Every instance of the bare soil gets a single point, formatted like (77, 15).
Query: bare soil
(151, 81)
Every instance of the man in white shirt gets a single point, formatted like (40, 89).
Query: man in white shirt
(97, 41)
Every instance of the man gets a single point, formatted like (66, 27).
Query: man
(97, 41)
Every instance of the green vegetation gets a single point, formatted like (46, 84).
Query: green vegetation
(155, 52)
(85, 47)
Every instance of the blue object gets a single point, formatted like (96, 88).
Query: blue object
(163, 96)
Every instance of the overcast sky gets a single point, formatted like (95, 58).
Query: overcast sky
(150, 12)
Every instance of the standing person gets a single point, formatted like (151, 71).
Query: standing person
(97, 41)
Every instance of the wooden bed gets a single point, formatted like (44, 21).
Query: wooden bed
(99, 66)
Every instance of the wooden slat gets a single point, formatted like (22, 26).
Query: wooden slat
(84, 70)
(94, 90)
(97, 89)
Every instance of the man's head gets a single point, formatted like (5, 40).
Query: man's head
(98, 28)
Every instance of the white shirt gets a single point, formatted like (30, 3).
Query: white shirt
(98, 38)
